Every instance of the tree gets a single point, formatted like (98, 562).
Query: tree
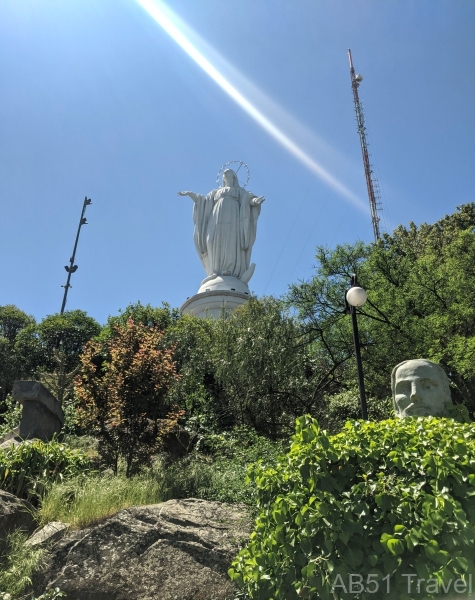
(268, 374)
(419, 304)
(152, 316)
(68, 333)
(12, 321)
(196, 390)
(13, 365)
(121, 391)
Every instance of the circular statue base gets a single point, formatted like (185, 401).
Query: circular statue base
(216, 294)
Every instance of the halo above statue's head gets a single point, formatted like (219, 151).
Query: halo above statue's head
(238, 164)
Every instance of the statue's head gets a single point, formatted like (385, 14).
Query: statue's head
(230, 178)
(420, 388)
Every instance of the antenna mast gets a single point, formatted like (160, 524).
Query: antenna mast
(371, 182)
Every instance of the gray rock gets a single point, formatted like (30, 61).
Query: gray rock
(10, 435)
(177, 550)
(41, 415)
(14, 514)
(48, 534)
(10, 442)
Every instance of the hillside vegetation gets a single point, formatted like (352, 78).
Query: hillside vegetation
(230, 391)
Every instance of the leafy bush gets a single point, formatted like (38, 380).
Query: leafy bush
(11, 415)
(345, 406)
(377, 501)
(26, 469)
(218, 470)
(242, 443)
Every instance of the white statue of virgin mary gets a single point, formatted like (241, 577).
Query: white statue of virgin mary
(225, 228)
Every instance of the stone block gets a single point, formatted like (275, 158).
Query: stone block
(42, 415)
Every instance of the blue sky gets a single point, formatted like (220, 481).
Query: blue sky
(98, 99)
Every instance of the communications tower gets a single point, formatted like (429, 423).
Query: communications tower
(374, 195)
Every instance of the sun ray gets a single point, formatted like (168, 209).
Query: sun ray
(176, 29)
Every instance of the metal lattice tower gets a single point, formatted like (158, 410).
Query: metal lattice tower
(371, 182)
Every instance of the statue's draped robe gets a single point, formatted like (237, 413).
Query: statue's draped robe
(225, 230)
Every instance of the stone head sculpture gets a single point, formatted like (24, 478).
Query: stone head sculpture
(420, 388)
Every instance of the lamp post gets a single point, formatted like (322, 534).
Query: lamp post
(72, 268)
(356, 296)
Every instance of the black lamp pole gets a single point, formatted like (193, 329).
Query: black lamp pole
(356, 339)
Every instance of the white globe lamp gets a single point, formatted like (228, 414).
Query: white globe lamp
(356, 296)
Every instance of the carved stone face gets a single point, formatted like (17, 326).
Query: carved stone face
(420, 388)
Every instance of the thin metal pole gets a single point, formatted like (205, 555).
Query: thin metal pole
(349, 309)
(359, 365)
(72, 267)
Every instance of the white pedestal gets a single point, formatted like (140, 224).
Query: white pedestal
(216, 293)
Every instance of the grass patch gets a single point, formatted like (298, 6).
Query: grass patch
(85, 500)
(219, 475)
(17, 567)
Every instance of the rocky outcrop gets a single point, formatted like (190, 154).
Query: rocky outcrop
(14, 514)
(177, 550)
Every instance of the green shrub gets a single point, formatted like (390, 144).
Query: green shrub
(26, 469)
(198, 476)
(242, 443)
(11, 415)
(377, 501)
(86, 444)
(218, 470)
(345, 406)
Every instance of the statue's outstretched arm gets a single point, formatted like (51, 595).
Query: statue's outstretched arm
(192, 195)
(258, 200)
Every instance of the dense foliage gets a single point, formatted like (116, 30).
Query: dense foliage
(266, 374)
(29, 350)
(68, 332)
(419, 305)
(121, 390)
(18, 566)
(346, 406)
(217, 469)
(375, 502)
(12, 362)
(27, 469)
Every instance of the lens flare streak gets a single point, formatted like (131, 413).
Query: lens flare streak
(174, 28)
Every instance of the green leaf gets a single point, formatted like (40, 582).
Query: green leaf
(396, 547)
